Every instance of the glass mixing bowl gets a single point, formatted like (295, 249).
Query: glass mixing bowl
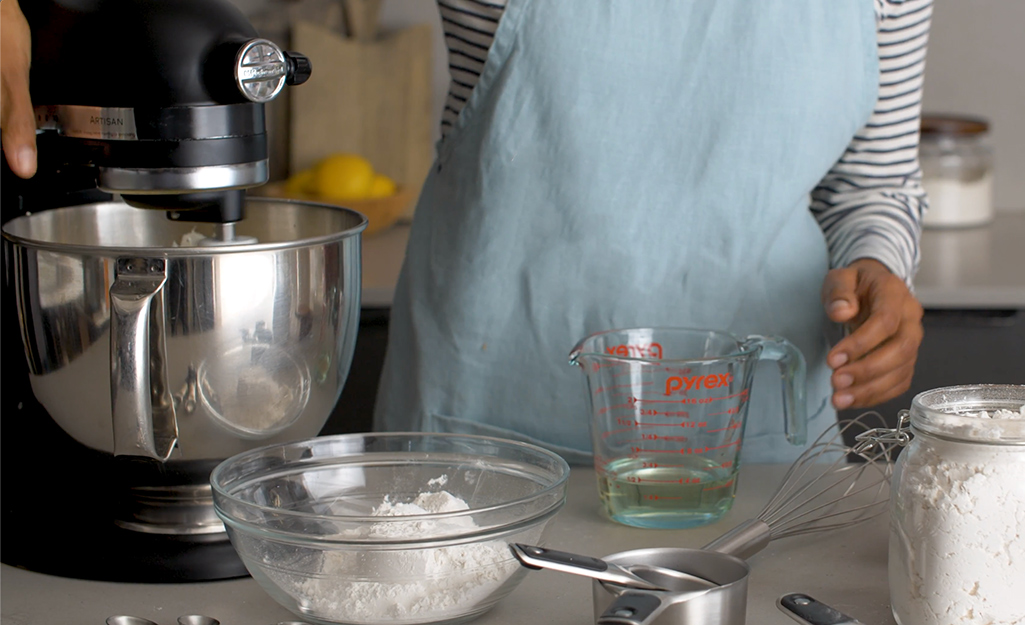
(388, 528)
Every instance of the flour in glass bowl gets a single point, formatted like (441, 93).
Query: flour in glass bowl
(958, 548)
(408, 586)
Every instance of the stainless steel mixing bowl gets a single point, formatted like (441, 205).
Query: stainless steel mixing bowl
(141, 342)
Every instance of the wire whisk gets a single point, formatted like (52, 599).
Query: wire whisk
(831, 485)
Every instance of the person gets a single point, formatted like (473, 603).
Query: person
(749, 167)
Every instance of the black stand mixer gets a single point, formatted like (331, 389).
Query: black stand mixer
(157, 104)
(161, 102)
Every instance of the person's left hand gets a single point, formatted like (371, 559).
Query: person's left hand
(875, 362)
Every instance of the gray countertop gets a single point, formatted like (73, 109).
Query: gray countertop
(845, 568)
(982, 267)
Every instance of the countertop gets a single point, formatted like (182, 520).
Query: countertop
(844, 568)
(980, 267)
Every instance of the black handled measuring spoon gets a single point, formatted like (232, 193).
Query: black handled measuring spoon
(643, 577)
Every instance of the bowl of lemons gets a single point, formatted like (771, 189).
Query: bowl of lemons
(347, 180)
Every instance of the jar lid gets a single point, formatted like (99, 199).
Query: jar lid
(954, 412)
(953, 125)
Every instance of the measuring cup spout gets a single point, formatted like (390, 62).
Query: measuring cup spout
(574, 354)
(792, 374)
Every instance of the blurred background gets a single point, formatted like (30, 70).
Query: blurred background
(379, 87)
(975, 66)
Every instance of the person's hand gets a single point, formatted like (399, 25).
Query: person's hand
(17, 119)
(875, 362)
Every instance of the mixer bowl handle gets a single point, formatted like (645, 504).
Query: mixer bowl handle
(141, 404)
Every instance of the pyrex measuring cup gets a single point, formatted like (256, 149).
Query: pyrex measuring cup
(668, 408)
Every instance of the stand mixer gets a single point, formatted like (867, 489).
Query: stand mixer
(166, 321)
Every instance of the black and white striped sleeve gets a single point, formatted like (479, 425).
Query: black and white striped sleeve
(870, 205)
(469, 27)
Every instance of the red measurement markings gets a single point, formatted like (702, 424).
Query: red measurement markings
(659, 497)
(728, 427)
(678, 370)
(727, 484)
(656, 437)
(633, 423)
(651, 412)
(631, 426)
(670, 465)
(636, 451)
(645, 400)
(606, 409)
(733, 410)
(686, 400)
(644, 480)
(694, 424)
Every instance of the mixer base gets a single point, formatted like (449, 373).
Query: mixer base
(113, 554)
(58, 504)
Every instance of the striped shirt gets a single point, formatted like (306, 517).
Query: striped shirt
(870, 204)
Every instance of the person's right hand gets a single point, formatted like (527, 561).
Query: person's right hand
(17, 119)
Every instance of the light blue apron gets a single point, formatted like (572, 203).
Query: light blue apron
(626, 164)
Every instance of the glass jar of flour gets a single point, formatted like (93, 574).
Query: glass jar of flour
(957, 546)
(957, 171)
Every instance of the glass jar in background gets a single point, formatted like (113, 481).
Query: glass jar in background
(957, 550)
(957, 171)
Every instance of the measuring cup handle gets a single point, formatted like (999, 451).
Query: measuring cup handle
(634, 608)
(792, 373)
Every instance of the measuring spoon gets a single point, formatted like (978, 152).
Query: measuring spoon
(534, 557)
(197, 619)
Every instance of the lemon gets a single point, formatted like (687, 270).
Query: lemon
(343, 177)
(381, 186)
(301, 182)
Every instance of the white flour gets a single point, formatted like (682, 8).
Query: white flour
(957, 547)
(955, 202)
(408, 586)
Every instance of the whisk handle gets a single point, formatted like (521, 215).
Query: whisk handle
(744, 540)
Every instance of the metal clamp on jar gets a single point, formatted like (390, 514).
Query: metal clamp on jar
(958, 497)
(957, 171)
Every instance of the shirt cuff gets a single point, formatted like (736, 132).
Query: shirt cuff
(880, 248)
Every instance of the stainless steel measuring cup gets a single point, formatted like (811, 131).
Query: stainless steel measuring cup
(630, 576)
(668, 410)
(683, 601)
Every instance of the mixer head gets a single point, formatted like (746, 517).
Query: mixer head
(160, 102)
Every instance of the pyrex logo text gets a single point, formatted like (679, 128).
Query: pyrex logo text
(695, 382)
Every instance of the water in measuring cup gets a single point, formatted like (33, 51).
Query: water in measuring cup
(650, 491)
